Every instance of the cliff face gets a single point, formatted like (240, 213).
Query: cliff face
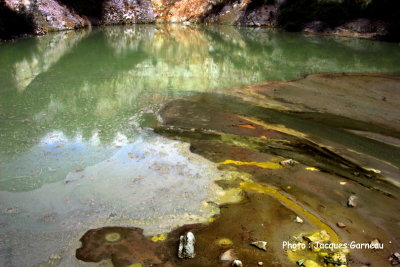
(127, 11)
(314, 16)
(57, 15)
(47, 15)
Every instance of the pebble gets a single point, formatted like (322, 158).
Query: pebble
(260, 244)
(376, 243)
(237, 263)
(395, 258)
(298, 219)
(228, 255)
(340, 225)
(351, 202)
(260, 263)
(287, 162)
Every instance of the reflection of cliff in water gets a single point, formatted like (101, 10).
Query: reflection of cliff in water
(77, 83)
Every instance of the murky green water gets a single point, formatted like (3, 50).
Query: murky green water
(76, 111)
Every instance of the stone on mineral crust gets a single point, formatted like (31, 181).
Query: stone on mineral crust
(228, 255)
(351, 202)
(395, 259)
(298, 219)
(237, 263)
(375, 243)
(340, 225)
(288, 162)
(260, 244)
(186, 246)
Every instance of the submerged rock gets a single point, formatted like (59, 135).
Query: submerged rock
(186, 246)
(260, 244)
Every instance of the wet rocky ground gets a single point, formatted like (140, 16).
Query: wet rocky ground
(316, 161)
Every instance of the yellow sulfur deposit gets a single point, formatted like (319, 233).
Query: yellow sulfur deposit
(224, 242)
(313, 257)
(265, 165)
(273, 192)
(113, 237)
(160, 237)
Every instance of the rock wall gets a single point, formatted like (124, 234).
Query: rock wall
(57, 15)
(127, 11)
(47, 15)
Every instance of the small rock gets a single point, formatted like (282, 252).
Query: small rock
(395, 258)
(340, 225)
(11, 211)
(51, 217)
(237, 263)
(376, 244)
(288, 162)
(260, 244)
(260, 263)
(228, 255)
(339, 257)
(351, 202)
(186, 246)
(132, 155)
(298, 219)
(55, 257)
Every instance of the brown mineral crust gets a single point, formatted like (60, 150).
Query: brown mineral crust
(131, 247)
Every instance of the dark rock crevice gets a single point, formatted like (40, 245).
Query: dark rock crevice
(92, 9)
(13, 24)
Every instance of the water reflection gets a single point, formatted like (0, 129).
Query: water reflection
(74, 82)
(113, 80)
